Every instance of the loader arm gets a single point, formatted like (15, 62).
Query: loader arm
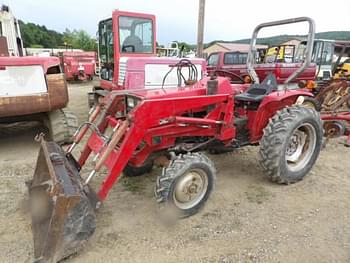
(161, 119)
(118, 157)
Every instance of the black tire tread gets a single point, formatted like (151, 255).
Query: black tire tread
(174, 170)
(315, 102)
(271, 144)
(62, 125)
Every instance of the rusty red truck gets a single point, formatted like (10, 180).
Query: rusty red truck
(34, 89)
(228, 63)
(78, 65)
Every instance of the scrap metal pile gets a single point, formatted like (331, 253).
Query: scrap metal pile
(334, 99)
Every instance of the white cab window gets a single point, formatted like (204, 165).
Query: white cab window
(22, 80)
(154, 75)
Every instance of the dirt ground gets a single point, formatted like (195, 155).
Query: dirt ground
(247, 219)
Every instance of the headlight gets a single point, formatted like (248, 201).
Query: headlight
(130, 102)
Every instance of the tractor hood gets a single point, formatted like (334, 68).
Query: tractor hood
(198, 89)
(89, 54)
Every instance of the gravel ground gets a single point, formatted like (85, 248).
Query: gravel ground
(247, 219)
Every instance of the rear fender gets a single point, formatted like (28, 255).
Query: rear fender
(268, 107)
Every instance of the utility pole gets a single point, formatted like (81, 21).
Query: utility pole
(200, 29)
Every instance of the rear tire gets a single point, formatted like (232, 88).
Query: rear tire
(291, 144)
(62, 124)
(186, 184)
(312, 103)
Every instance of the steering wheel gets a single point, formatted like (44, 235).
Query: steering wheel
(125, 48)
(226, 73)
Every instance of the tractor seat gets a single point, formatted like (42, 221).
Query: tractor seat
(256, 92)
(132, 44)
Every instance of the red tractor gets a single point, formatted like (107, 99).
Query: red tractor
(128, 56)
(133, 128)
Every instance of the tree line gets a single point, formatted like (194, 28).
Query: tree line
(40, 37)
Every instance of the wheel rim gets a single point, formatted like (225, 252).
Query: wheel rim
(190, 189)
(300, 147)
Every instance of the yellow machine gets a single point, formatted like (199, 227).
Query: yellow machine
(343, 70)
(282, 53)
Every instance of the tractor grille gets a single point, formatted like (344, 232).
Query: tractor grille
(122, 71)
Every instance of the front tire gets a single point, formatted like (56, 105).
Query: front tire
(291, 144)
(186, 184)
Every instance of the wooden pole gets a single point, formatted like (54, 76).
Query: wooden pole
(200, 29)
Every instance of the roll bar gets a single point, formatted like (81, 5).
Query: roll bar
(308, 53)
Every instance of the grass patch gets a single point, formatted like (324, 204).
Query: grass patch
(134, 184)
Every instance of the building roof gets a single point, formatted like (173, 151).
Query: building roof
(238, 46)
(292, 42)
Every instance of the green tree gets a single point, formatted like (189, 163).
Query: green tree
(38, 35)
(84, 41)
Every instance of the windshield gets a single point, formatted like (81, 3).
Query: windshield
(213, 60)
(235, 58)
(106, 49)
(322, 53)
(300, 52)
(135, 35)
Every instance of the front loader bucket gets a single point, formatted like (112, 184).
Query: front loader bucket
(62, 209)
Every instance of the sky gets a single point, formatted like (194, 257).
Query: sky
(177, 19)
